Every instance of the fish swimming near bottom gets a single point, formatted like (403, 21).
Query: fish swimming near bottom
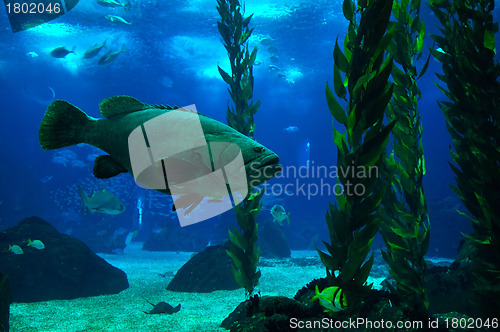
(279, 214)
(37, 244)
(102, 202)
(163, 308)
(16, 249)
(331, 298)
(64, 125)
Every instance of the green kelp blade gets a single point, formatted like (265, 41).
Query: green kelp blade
(489, 39)
(348, 9)
(225, 76)
(364, 271)
(333, 105)
(339, 58)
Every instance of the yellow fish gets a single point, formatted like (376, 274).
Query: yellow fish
(331, 298)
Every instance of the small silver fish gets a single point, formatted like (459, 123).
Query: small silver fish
(110, 56)
(37, 244)
(46, 179)
(16, 249)
(114, 3)
(291, 129)
(94, 50)
(129, 238)
(117, 19)
(279, 214)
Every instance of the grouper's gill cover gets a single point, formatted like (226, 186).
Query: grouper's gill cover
(65, 124)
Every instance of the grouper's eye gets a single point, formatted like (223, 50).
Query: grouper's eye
(258, 148)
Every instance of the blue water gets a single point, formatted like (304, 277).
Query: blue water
(173, 49)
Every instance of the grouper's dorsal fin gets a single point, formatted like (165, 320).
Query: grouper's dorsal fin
(120, 105)
(175, 107)
(163, 107)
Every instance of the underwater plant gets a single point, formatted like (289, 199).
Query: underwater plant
(243, 248)
(472, 111)
(405, 224)
(235, 31)
(355, 218)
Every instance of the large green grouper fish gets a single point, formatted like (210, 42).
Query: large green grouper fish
(65, 124)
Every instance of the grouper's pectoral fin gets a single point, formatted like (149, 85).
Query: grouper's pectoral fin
(190, 201)
(106, 167)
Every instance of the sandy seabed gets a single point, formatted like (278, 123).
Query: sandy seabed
(148, 274)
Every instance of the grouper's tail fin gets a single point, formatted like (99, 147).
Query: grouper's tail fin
(62, 125)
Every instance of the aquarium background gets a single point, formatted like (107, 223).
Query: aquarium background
(172, 52)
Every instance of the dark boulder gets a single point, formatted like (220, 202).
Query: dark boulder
(205, 272)
(65, 269)
(268, 313)
(453, 282)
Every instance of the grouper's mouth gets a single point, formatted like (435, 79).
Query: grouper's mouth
(271, 160)
(264, 169)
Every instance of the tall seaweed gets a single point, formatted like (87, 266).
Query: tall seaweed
(355, 219)
(471, 74)
(235, 31)
(405, 226)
